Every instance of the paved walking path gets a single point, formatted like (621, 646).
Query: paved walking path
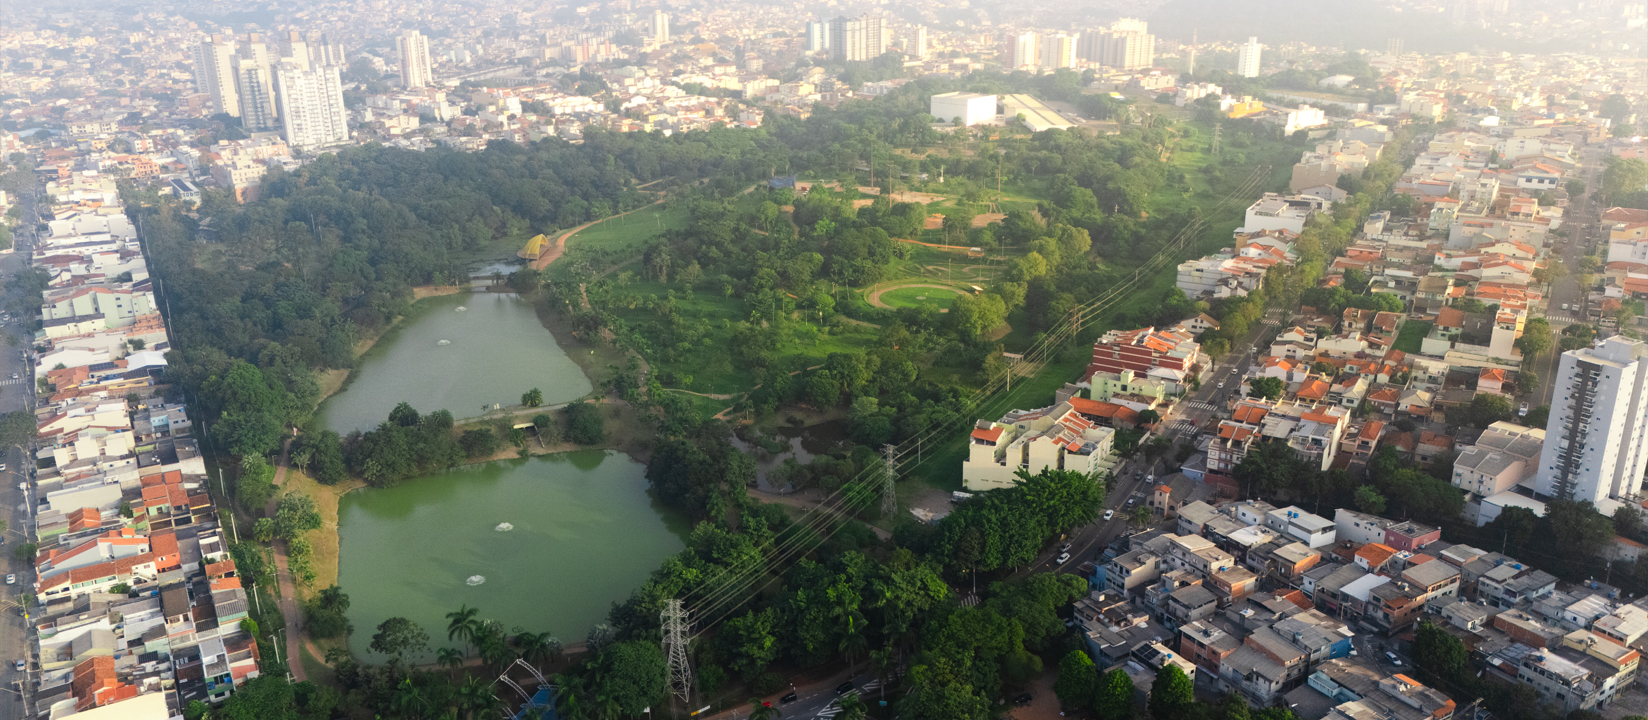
(288, 589)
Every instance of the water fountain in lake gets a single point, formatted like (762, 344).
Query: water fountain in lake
(475, 580)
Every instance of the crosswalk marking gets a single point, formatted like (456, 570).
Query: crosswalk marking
(18, 381)
(1559, 317)
(1199, 405)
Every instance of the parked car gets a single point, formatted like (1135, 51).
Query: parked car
(787, 699)
(1522, 411)
(1109, 514)
(19, 665)
(11, 579)
(1023, 699)
(1393, 658)
(1063, 558)
(1564, 306)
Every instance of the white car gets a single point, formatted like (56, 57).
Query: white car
(1109, 514)
(11, 579)
(1221, 384)
(1522, 411)
(1064, 558)
(1394, 660)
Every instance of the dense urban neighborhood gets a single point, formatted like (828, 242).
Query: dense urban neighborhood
(936, 361)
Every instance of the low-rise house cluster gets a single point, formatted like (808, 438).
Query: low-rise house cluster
(139, 604)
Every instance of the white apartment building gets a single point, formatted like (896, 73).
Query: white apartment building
(214, 73)
(1279, 212)
(1025, 50)
(857, 39)
(1595, 438)
(1056, 437)
(818, 37)
(660, 27)
(1126, 45)
(310, 102)
(1247, 58)
(413, 48)
(1058, 51)
(972, 108)
(256, 86)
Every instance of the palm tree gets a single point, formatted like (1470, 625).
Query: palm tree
(476, 698)
(885, 659)
(461, 624)
(409, 700)
(449, 658)
(569, 698)
(1142, 515)
(853, 644)
(537, 648)
(853, 708)
(763, 711)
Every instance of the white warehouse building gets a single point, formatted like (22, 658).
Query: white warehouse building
(972, 108)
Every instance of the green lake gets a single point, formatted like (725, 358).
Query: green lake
(586, 532)
(494, 350)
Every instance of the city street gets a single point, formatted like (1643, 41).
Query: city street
(15, 641)
(1581, 223)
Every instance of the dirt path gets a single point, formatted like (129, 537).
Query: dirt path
(807, 503)
(875, 295)
(712, 396)
(554, 252)
(933, 245)
(288, 589)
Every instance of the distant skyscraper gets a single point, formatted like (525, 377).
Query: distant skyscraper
(1126, 45)
(660, 27)
(1026, 48)
(310, 101)
(1596, 439)
(215, 73)
(294, 49)
(857, 39)
(1247, 58)
(1057, 51)
(919, 49)
(1393, 46)
(1192, 64)
(414, 52)
(818, 37)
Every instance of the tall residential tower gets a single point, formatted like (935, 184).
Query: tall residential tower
(1596, 440)
(414, 54)
(857, 39)
(1247, 58)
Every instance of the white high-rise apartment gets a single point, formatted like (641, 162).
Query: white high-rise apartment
(660, 27)
(1596, 441)
(1025, 50)
(857, 39)
(1058, 51)
(310, 100)
(294, 49)
(414, 52)
(1247, 58)
(920, 47)
(818, 36)
(255, 83)
(1125, 45)
(215, 73)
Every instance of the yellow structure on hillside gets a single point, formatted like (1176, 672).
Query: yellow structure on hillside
(534, 247)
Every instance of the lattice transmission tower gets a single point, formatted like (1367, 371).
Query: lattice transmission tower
(674, 620)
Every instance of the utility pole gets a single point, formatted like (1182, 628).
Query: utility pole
(674, 620)
(1214, 148)
(889, 493)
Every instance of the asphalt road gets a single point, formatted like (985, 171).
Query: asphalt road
(15, 394)
(1581, 222)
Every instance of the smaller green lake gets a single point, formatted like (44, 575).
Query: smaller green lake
(456, 352)
(585, 533)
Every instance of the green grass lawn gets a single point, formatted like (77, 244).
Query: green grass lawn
(1413, 333)
(919, 296)
(629, 231)
(708, 362)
